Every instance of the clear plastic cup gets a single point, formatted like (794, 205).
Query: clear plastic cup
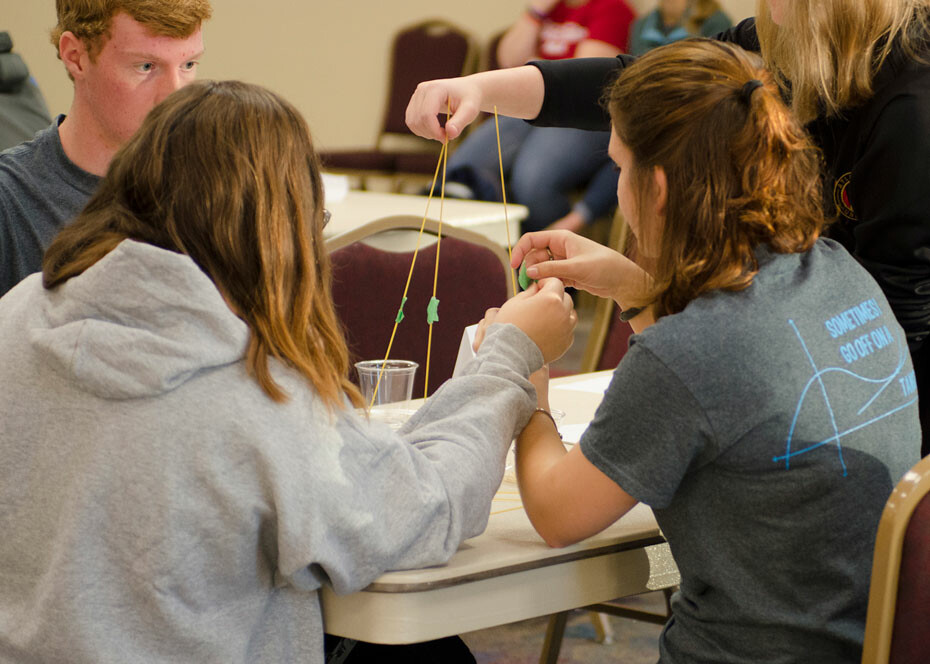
(396, 384)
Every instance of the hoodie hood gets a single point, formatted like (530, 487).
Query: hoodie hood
(139, 322)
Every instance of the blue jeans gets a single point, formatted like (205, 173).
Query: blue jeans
(543, 166)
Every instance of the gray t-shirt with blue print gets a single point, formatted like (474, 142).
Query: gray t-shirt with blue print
(767, 428)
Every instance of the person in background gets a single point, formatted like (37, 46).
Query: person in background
(763, 427)
(124, 57)
(856, 75)
(182, 465)
(22, 107)
(545, 166)
(673, 20)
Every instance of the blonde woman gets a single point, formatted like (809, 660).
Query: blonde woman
(856, 74)
(181, 463)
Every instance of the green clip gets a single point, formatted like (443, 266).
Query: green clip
(432, 311)
(400, 312)
(522, 277)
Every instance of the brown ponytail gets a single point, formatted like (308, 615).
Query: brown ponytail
(741, 172)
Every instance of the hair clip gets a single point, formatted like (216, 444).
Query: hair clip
(745, 93)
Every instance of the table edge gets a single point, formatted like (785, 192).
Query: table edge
(616, 547)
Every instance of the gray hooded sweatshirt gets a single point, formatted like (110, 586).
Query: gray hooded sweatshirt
(157, 506)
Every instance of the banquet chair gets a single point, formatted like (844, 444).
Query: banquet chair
(368, 284)
(609, 337)
(555, 630)
(421, 52)
(899, 593)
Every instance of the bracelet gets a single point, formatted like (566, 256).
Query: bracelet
(549, 415)
(536, 15)
(629, 314)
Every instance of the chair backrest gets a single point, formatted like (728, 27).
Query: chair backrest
(609, 337)
(427, 50)
(489, 57)
(899, 595)
(608, 340)
(368, 284)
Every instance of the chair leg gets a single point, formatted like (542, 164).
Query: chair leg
(553, 641)
(668, 592)
(603, 630)
(598, 613)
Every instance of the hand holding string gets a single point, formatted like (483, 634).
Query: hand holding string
(544, 312)
(459, 95)
(581, 263)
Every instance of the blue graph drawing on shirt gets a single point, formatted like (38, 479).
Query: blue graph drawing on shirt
(839, 432)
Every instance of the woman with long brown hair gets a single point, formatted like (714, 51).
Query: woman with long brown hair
(766, 407)
(856, 74)
(181, 465)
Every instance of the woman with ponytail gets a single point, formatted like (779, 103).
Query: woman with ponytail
(857, 76)
(766, 407)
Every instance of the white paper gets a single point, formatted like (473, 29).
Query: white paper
(335, 187)
(596, 385)
(466, 349)
(571, 433)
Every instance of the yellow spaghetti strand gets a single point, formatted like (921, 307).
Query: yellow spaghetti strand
(504, 511)
(500, 162)
(413, 262)
(432, 310)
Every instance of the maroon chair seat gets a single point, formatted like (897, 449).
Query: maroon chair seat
(378, 161)
(423, 163)
(359, 160)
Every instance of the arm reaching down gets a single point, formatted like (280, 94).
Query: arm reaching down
(516, 92)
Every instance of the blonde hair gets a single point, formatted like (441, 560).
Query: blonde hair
(826, 53)
(225, 172)
(741, 171)
(90, 20)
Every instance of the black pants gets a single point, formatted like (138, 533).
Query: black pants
(450, 650)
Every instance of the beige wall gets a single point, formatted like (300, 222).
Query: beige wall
(328, 58)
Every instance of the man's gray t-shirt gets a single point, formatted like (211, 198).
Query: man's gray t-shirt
(766, 428)
(40, 191)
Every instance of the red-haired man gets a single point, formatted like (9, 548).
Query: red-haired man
(124, 58)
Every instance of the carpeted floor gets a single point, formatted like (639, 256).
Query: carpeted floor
(634, 642)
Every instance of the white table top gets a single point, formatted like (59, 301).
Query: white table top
(354, 208)
(508, 573)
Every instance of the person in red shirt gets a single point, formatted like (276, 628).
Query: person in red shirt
(545, 166)
(553, 30)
